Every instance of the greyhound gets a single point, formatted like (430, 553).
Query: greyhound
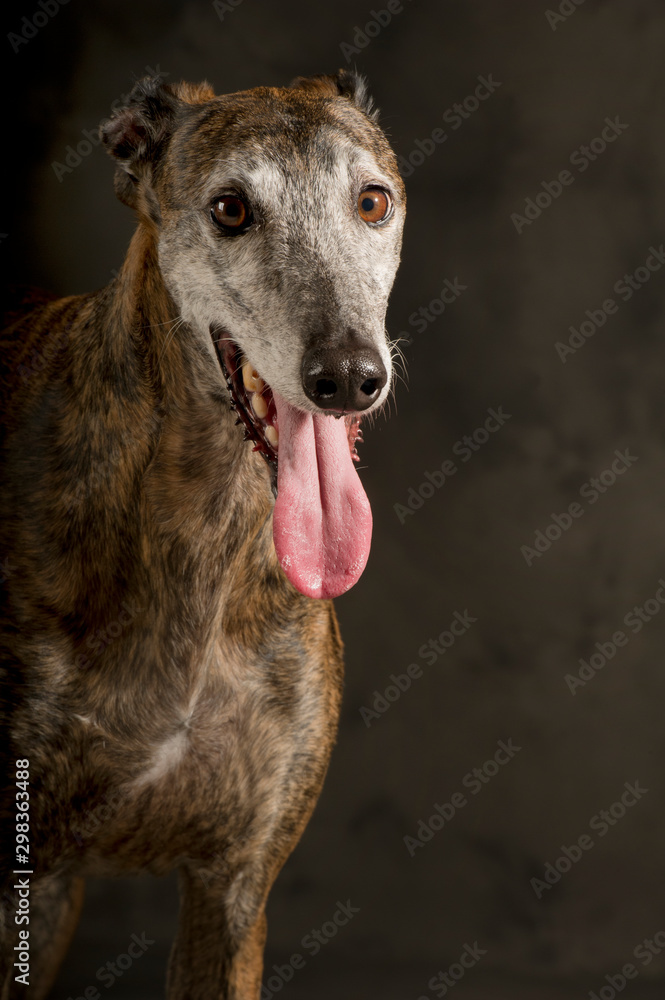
(180, 505)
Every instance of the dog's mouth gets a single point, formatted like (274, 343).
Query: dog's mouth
(322, 521)
(254, 403)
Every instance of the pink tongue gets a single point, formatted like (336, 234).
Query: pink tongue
(322, 524)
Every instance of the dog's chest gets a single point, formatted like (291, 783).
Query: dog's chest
(210, 768)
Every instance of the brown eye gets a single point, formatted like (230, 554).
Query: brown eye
(231, 212)
(374, 205)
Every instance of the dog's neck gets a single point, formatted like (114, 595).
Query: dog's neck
(143, 314)
(202, 495)
(172, 371)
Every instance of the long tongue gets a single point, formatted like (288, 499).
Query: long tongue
(322, 524)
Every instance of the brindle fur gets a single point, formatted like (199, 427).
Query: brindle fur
(194, 730)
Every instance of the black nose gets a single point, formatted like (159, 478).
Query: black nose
(343, 378)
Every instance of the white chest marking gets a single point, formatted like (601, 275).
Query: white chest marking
(165, 758)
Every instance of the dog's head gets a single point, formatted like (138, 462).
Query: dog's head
(278, 214)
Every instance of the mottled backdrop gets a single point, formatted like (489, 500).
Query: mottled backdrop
(510, 618)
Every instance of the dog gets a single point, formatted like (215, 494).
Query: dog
(180, 504)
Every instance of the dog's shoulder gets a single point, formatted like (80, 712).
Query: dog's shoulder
(34, 331)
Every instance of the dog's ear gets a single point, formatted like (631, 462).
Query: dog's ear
(345, 83)
(137, 133)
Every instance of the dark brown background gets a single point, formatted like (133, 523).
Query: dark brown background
(494, 346)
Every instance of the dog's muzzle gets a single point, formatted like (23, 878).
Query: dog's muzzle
(322, 521)
(343, 379)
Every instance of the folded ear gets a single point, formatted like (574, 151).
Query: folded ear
(137, 134)
(344, 83)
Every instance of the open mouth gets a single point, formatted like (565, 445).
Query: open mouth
(254, 404)
(322, 521)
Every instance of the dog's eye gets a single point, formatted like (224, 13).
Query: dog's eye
(231, 212)
(374, 205)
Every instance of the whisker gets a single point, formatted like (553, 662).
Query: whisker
(396, 351)
(169, 336)
(255, 336)
(151, 326)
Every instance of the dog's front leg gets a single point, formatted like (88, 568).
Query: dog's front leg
(55, 905)
(218, 951)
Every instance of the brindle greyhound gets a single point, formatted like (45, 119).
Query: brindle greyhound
(170, 689)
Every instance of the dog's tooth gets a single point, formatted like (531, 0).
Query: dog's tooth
(247, 372)
(251, 378)
(259, 406)
(272, 436)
